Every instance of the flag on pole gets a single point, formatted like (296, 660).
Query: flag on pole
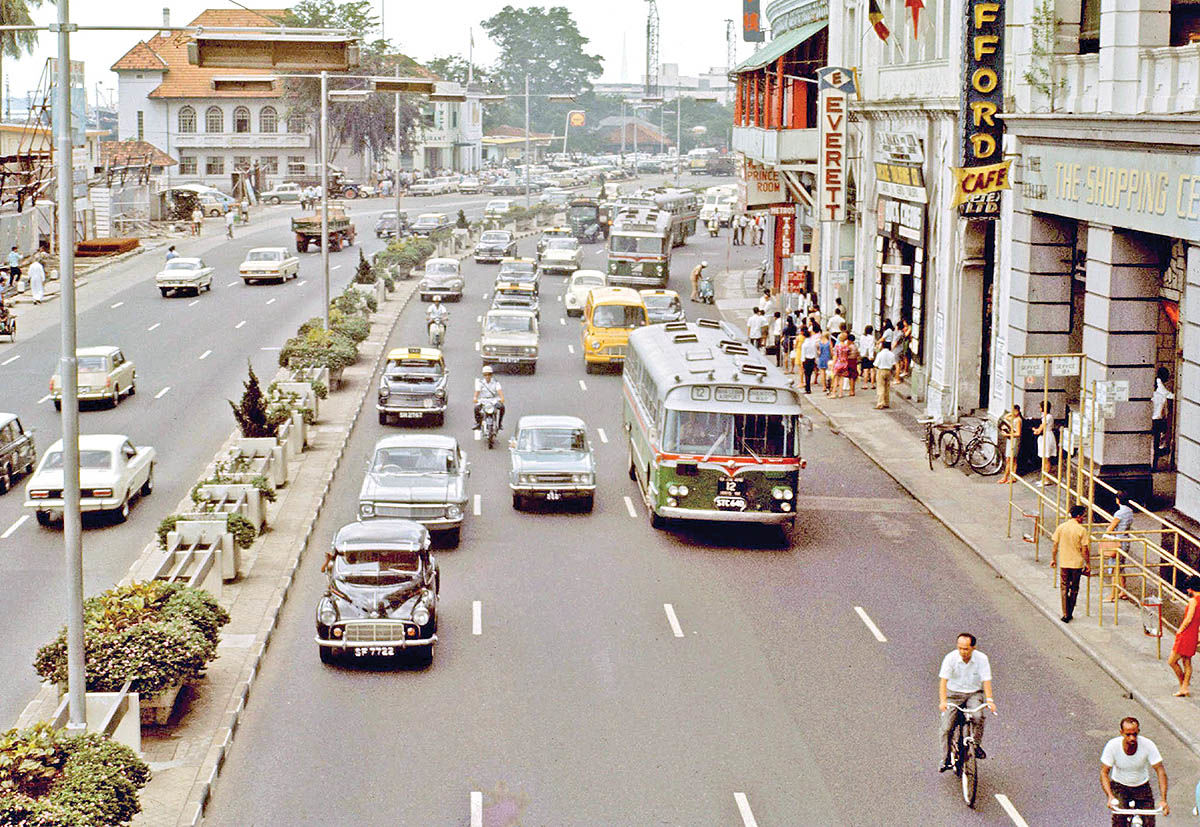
(876, 18)
(915, 6)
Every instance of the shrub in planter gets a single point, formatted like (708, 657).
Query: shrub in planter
(461, 222)
(243, 530)
(319, 388)
(165, 527)
(318, 348)
(389, 283)
(363, 274)
(354, 328)
(154, 634)
(49, 779)
(251, 413)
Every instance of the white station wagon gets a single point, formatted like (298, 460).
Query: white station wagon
(269, 264)
(104, 373)
(112, 471)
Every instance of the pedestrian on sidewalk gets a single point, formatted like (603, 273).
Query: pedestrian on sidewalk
(14, 265)
(885, 360)
(197, 220)
(1160, 423)
(37, 279)
(1010, 430)
(1185, 639)
(787, 341)
(867, 364)
(760, 228)
(1069, 554)
(697, 274)
(765, 303)
(1047, 444)
(852, 361)
(841, 364)
(1121, 522)
(1125, 766)
(837, 322)
(808, 350)
(756, 328)
(775, 337)
(824, 357)
(230, 217)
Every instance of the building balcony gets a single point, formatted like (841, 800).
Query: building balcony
(1168, 82)
(776, 147)
(241, 140)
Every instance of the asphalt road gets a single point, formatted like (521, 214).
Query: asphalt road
(768, 700)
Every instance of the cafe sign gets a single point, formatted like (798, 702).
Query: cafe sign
(983, 173)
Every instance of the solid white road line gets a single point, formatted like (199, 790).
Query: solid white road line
(193, 302)
(603, 436)
(115, 306)
(239, 325)
(44, 399)
(10, 359)
(478, 508)
(629, 507)
(20, 522)
(151, 327)
(485, 295)
(558, 297)
(270, 348)
(476, 808)
(743, 806)
(476, 617)
(570, 348)
(478, 319)
(673, 620)
(205, 354)
(477, 347)
(271, 301)
(582, 385)
(1008, 807)
(162, 392)
(335, 267)
(862, 613)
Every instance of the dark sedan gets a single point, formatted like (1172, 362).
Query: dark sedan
(495, 245)
(381, 597)
(389, 225)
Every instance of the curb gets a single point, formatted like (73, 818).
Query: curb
(202, 790)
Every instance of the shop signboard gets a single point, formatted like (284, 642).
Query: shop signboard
(983, 172)
(902, 220)
(752, 22)
(760, 186)
(785, 241)
(1064, 366)
(1028, 367)
(834, 86)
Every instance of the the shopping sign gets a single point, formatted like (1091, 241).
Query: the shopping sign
(834, 86)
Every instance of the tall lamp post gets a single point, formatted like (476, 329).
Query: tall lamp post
(554, 98)
(341, 96)
(678, 133)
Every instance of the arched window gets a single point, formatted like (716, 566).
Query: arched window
(296, 123)
(187, 119)
(214, 120)
(268, 121)
(241, 119)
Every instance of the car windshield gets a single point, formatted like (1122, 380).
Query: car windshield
(414, 368)
(265, 255)
(711, 433)
(369, 568)
(413, 459)
(587, 281)
(441, 268)
(87, 459)
(618, 315)
(427, 220)
(514, 300)
(562, 244)
(508, 323)
(494, 238)
(663, 304)
(552, 439)
(388, 215)
(497, 205)
(635, 244)
(517, 268)
(93, 364)
(178, 264)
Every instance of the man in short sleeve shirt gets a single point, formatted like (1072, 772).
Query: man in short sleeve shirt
(964, 680)
(1125, 768)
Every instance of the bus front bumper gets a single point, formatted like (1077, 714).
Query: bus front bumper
(717, 515)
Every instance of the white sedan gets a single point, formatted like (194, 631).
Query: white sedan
(582, 282)
(184, 275)
(112, 471)
(269, 264)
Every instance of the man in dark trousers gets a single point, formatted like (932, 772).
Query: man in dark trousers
(1070, 555)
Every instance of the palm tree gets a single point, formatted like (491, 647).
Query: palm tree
(16, 44)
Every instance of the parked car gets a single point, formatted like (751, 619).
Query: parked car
(269, 264)
(425, 186)
(443, 277)
(552, 460)
(104, 374)
(498, 207)
(112, 472)
(510, 338)
(283, 194)
(18, 454)
(390, 224)
(382, 593)
(429, 223)
(582, 282)
(662, 306)
(184, 275)
(421, 477)
(470, 185)
(562, 255)
(214, 204)
(495, 245)
(413, 385)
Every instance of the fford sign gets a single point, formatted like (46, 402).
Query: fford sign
(982, 100)
(834, 85)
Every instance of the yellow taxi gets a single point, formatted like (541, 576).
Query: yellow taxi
(413, 385)
(516, 294)
(609, 315)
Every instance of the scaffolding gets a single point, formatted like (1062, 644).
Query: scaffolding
(28, 173)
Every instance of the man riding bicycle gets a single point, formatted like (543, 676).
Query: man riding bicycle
(1125, 768)
(487, 389)
(965, 680)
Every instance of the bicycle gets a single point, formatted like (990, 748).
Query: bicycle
(962, 751)
(932, 442)
(1134, 815)
(981, 451)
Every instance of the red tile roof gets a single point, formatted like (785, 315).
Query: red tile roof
(140, 56)
(515, 132)
(119, 153)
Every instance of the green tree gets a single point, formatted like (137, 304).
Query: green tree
(454, 68)
(546, 45)
(16, 44)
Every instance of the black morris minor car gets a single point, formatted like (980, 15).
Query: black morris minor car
(381, 597)
(17, 452)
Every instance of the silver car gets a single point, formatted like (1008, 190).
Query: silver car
(419, 477)
(552, 460)
(443, 277)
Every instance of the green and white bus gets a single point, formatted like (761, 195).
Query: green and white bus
(714, 429)
(639, 248)
(682, 205)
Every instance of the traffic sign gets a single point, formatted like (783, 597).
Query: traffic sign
(1025, 367)
(1064, 366)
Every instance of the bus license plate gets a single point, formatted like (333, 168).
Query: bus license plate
(553, 495)
(730, 503)
(509, 360)
(374, 651)
(731, 495)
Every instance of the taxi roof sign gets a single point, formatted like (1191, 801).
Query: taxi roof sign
(427, 354)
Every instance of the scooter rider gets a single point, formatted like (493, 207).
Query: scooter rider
(486, 389)
(437, 312)
(697, 274)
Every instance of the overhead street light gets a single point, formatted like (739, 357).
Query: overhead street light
(561, 98)
(273, 50)
(397, 84)
(493, 98)
(349, 95)
(448, 93)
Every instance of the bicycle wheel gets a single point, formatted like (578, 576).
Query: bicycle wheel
(930, 446)
(951, 448)
(970, 774)
(983, 456)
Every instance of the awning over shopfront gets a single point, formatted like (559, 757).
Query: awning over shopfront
(780, 46)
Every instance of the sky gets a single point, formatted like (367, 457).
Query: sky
(692, 33)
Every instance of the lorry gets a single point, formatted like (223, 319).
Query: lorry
(307, 229)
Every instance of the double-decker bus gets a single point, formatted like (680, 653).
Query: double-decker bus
(714, 429)
(639, 248)
(683, 206)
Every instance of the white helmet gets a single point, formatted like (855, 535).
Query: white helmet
(487, 370)
(704, 264)
(437, 299)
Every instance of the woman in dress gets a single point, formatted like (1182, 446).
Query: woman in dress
(1185, 640)
(1010, 429)
(1047, 445)
(824, 356)
(841, 365)
(903, 349)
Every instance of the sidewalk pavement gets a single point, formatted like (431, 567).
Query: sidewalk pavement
(975, 509)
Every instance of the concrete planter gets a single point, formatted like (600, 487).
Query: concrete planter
(211, 531)
(156, 709)
(305, 374)
(306, 396)
(300, 426)
(375, 289)
(287, 437)
(264, 448)
(254, 506)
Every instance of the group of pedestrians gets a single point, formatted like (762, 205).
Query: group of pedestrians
(743, 223)
(37, 274)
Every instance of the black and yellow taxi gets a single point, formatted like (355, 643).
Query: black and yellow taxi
(517, 295)
(413, 386)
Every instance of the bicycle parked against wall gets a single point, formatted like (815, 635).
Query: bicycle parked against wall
(952, 441)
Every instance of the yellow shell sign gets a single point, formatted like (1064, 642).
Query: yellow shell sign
(577, 118)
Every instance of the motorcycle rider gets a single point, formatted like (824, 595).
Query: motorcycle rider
(697, 274)
(486, 389)
(437, 312)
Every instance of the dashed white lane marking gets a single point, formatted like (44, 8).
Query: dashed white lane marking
(162, 392)
(20, 522)
(603, 436)
(45, 398)
(570, 348)
(270, 348)
(866, 619)
(478, 319)
(743, 806)
(239, 325)
(562, 321)
(115, 306)
(477, 347)
(302, 282)
(10, 359)
(271, 301)
(676, 629)
(629, 507)
(1008, 807)
(335, 267)
(485, 295)
(476, 617)
(151, 327)
(478, 506)
(476, 808)
(193, 302)
(206, 354)
(559, 298)
(231, 284)
(582, 385)
(478, 434)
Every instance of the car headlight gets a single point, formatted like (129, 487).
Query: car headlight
(525, 479)
(421, 615)
(787, 493)
(326, 612)
(427, 402)
(440, 393)
(453, 512)
(366, 509)
(595, 344)
(385, 391)
(672, 502)
(531, 351)
(673, 490)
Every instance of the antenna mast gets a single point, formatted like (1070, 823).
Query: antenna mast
(652, 49)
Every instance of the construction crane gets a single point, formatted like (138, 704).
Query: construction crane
(652, 49)
(730, 45)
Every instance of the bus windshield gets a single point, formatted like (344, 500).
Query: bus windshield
(712, 433)
(618, 315)
(635, 244)
(583, 212)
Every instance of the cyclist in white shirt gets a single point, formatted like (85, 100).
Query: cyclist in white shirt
(1125, 768)
(965, 680)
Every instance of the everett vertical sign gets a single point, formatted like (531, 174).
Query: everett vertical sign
(834, 86)
(984, 172)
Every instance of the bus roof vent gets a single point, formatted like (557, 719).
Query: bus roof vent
(673, 326)
(734, 348)
(685, 338)
(752, 369)
(710, 323)
(698, 354)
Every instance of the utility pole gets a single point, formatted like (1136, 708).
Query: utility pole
(527, 160)
(652, 49)
(325, 190)
(396, 172)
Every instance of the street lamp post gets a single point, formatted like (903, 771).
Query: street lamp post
(526, 141)
(325, 193)
(396, 172)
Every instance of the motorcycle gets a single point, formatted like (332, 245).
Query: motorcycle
(762, 276)
(490, 422)
(437, 333)
(714, 227)
(705, 290)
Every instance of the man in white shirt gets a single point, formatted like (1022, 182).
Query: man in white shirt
(809, 351)
(1159, 420)
(756, 328)
(964, 680)
(1125, 768)
(835, 324)
(884, 362)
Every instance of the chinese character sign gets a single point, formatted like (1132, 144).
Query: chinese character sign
(834, 85)
(751, 22)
